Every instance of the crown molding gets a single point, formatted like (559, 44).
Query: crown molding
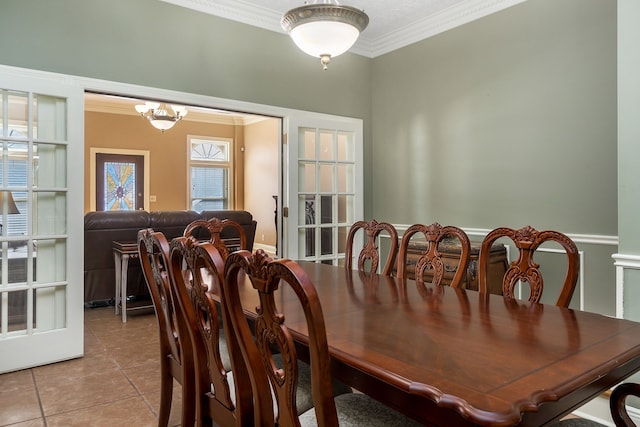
(459, 14)
(452, 17)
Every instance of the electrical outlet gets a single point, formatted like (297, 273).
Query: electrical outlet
(152, 198)
(263, 237)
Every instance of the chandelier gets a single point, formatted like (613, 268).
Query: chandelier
(161, 116)
(324, 30)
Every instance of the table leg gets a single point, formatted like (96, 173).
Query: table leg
(123, 289)
(118, 264)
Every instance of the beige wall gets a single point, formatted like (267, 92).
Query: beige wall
(168, 159)
(261, 174)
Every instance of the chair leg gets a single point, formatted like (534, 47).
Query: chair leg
(166, 393)
(188, 398)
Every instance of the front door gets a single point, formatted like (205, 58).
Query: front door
(41, 283)
(119, 182)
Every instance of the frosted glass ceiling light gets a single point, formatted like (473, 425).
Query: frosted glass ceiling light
(324, 30)
(161, 116)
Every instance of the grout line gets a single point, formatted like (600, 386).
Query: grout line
(35, 385)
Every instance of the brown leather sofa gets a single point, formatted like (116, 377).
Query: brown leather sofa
(102, 228)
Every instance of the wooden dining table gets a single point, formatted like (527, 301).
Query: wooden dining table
(454, 357)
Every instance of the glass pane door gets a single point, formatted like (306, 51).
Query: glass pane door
(326, 188)
(37, 323)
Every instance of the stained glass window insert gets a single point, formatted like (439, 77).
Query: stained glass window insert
(119, 186)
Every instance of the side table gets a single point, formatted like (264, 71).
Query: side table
(122, 253)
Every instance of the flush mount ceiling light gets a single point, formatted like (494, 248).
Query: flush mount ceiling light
(161, 116)
(324, 30)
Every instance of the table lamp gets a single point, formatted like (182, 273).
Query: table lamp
(10, 205)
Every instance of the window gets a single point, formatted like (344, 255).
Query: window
(16, 165)
(209, 173)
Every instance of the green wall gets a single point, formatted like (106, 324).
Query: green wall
(157, 44)
(506, 121)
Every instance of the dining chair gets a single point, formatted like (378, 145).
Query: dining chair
(267, 277)
(619, 412)
(431, 258)
(175, 346)
(370, 254)
(211, 229)
(214, 228)
(527, 240)
(222, 397)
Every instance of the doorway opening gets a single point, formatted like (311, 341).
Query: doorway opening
(113, 126)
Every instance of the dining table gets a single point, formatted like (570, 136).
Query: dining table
(455, 357)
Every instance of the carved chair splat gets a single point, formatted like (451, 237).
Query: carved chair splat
(431, 258)
(215, 226)
(175, 345)
(527, 240)
(222, 398)
(370, 251)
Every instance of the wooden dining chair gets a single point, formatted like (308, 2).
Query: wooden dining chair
(527, 240)
(175, 345)
(214, 227)
(431, 259)
(370, 253)
(266, 277)
(619, 412)
(221, 397)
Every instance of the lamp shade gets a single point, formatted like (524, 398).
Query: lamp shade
(324, 30)
(11, 204)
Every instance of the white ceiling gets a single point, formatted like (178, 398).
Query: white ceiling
(392, 23)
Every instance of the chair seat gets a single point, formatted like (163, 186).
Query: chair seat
(224, 352)
(356, 409)
(304, 399)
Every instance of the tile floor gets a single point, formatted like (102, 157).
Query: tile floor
(117, 383)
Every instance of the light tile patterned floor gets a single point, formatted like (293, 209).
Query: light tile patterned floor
(115, 384)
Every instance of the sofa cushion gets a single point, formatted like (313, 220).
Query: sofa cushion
(172, 223)
(116, 220)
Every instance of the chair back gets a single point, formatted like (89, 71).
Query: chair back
(222, 398)
(370, 251)
(214, 227)
(175, 345)
(431, 258)
(527, 240)
(266, 276)
(617, 401)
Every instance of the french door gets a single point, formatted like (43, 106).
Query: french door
(41, 283)
(323, 185)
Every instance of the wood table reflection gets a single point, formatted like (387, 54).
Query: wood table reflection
(454, 357)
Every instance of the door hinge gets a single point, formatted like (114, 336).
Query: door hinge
(285, 212)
